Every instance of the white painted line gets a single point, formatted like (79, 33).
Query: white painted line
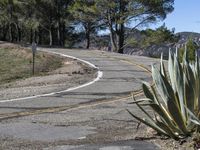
(99, 76)
(81, 138)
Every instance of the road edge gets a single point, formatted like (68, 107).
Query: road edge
(99, 76)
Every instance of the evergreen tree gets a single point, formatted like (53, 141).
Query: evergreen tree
(191, 48)
(117, 13)
(9, 19)
(49, 21)
(158, 36)
(85, 13)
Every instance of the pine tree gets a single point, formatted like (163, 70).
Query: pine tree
(117, 13)
(85, 13)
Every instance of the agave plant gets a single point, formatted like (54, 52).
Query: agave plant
(174, 98)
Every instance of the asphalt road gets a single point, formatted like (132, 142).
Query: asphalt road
(88, 117)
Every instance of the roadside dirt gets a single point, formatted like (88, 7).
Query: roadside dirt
(71, 74)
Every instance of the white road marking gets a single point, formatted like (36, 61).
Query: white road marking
(81, 138)
(99, 76)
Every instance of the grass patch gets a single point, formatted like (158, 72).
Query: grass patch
(16, 63)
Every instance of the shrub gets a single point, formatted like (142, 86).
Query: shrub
(174, 98)
(191, 48)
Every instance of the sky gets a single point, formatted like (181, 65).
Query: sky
(185, 17)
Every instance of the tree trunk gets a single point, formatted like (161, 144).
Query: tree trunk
(112, 34)
(113, 41)
(120, 32)
(5, 31)
(58, 5)
(121, 39)
(18, 34)
(63, 34)
(35, 36)
(39, 36)
(88, 40)
(10, 10)
(10, 33)
(58, 36)
(50, 37)
(87, 34)
(31, 36)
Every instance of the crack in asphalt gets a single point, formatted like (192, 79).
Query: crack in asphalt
(136, 93)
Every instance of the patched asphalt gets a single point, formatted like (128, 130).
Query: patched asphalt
(89, 124)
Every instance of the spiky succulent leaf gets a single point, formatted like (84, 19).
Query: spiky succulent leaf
(175, 99)
(168, 130)
(147, 92)
(197, 84)
(149, 123)
(189, 93)
(167, 93)
(171, 70)
(165, 117)
(178, 74)
(162, 67)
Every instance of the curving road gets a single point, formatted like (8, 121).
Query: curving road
(91, 114)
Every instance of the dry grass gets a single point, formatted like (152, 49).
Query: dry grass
(16, 63)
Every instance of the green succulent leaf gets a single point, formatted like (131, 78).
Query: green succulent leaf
(193, 118)
(166, 117)
(167, 130)
(171, 70)
(147, 92)
(162, 67)
(189, 94)
(167, 93)
(175, 98)
(178, 74)
(141, 101)
(148, 122)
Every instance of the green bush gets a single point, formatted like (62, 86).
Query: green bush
(174, 98)
(191, 50)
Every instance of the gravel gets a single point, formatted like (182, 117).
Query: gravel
(72, 74)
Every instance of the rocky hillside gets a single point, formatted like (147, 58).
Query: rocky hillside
(184, 36)
(156, 50)
(153, 50)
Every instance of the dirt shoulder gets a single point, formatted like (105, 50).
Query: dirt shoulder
(72, 73)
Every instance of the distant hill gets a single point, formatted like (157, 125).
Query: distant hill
(184, 36)
(189, 34)
(154, 50)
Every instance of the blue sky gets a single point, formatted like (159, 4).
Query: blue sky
(185, 17)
